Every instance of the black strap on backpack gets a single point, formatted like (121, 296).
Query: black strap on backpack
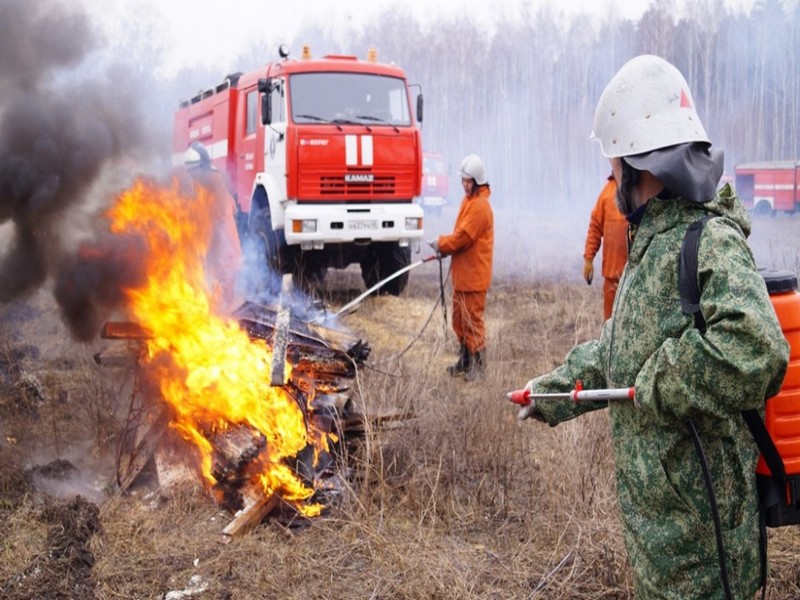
(690, 305)
(770, 490)
(687, 273)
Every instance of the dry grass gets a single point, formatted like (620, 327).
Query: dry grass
(464, 502)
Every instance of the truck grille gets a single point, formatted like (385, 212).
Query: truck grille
(336, 186)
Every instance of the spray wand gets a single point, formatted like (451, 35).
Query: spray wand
(525, 398)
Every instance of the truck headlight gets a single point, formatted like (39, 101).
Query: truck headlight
(304, 226)
(413, 223)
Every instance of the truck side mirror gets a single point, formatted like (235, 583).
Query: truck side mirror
(266, 109)
(419, 108)
(265, 87)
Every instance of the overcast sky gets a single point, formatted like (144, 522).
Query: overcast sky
(212, 32)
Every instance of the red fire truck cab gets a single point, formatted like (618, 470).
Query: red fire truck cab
(325, 159)
(768, 187)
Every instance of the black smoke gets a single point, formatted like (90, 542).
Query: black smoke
(67, 119)
(90, 283)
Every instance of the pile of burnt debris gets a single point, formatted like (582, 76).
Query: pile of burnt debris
(324, 361)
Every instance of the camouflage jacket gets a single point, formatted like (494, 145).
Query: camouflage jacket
(679, 375)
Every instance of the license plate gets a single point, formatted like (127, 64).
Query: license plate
(362, 224)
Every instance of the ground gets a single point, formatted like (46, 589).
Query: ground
(463, 501)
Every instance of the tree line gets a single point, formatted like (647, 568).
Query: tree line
(522, 94)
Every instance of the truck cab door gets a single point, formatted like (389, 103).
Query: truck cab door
(275, 140)
(250, 156)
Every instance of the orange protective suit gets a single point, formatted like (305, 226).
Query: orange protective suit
(609, 226)
(471, 246)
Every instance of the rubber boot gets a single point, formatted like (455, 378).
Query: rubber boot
(463, 362)
(477, 366)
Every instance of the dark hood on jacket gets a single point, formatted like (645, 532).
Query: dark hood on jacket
(691, 171)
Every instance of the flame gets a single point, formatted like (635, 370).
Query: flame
(209, 371)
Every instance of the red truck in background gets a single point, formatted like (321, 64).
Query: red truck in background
(324, 157)
(769, 187)
(435, 182)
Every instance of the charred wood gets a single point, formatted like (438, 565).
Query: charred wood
(134, 454)
(234, 449)
(124, 330)
(279, 341)
(257, 506)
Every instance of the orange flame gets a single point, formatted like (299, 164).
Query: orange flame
(209, 371)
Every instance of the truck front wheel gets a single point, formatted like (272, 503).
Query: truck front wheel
(763, 209)
(263, 253)
(382, 259)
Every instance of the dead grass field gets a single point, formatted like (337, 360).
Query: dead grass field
(463, 502)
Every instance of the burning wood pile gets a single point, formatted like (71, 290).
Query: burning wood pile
(237, 455)
(257, 395)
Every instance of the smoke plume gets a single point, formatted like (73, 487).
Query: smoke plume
(68, 119)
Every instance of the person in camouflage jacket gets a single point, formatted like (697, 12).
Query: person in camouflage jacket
(679, 373)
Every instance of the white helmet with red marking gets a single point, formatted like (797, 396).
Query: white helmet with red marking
(472, 168)
(647, 105)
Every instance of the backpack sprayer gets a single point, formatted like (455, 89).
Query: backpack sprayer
(777, 436)
(525, 397)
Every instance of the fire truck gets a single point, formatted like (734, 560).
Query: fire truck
(769, 187)
(435, 182)
(324, 158)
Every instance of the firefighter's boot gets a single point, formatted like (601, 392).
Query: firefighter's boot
(463, 362)
(477, 366)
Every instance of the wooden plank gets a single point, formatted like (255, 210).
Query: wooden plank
(356, 430)
(234, 448)
(280, 340)
(357, 422)
(250, 516)
(131, 463)
(259, 321)
(119, 353)
(339, 338)
(124, 330)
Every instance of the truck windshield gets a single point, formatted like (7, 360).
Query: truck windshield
(348, 97)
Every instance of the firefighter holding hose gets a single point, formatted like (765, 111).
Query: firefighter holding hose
(471, 245)
(683, 540)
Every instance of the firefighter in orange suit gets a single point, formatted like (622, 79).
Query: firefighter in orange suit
(470, 245)
(609, 226)
(224, 259)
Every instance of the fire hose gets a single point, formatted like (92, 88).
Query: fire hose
(356, 301)
(525, 398)
(427, 320)
(351, 305)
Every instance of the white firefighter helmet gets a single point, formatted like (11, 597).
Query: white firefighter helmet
(197, 156)
(647, 105)
(472, 168)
